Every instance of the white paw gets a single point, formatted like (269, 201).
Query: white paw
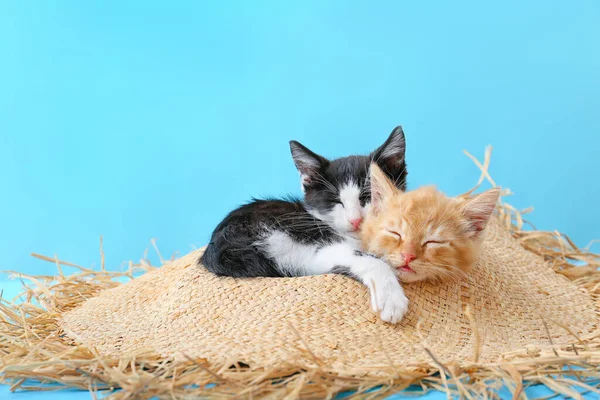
(388, 299)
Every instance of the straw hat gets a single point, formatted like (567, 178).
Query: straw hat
(526, 314)
(511, 301)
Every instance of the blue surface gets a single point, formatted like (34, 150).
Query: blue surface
(137, 120)
(533, 392)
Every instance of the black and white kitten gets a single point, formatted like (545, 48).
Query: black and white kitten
(277, 238)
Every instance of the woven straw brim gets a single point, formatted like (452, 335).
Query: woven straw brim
(527, 314)
(515, 301)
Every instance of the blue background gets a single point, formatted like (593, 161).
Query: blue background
(136, 120)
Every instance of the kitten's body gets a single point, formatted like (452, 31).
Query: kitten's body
(318, 235)
(263, 237)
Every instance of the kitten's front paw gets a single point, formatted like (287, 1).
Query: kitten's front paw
(390, 302)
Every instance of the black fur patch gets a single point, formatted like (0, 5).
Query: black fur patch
(364, 254)
(344, 270)
(232, 250)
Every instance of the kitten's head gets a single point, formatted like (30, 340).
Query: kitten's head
(424, 234)
(337, 191)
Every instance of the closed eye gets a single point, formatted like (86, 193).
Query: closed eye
(393, 233)
(435, 243)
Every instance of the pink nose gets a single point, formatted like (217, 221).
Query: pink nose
(408, 258)
(356, 223)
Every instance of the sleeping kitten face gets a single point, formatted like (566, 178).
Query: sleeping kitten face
(423, 233)
(337, 191)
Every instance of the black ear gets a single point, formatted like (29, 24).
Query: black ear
(390, 155)
(308, 163)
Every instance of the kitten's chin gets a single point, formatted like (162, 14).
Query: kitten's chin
(345, 231)
(419, 273)
(408, 277)
(353, 234)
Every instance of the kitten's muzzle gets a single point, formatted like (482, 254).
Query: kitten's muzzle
(356, 223)
(408, 257)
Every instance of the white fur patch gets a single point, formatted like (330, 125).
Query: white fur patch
(291, 257)
(387, 295)
(349, 196)
(349, 210)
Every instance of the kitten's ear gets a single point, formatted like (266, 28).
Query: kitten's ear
(381, 186)
(390, 155)
(479, 209)
(308, 163)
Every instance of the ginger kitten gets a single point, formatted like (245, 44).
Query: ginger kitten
(424, 234)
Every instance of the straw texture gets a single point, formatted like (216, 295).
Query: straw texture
(527, 314)
(183, 310)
